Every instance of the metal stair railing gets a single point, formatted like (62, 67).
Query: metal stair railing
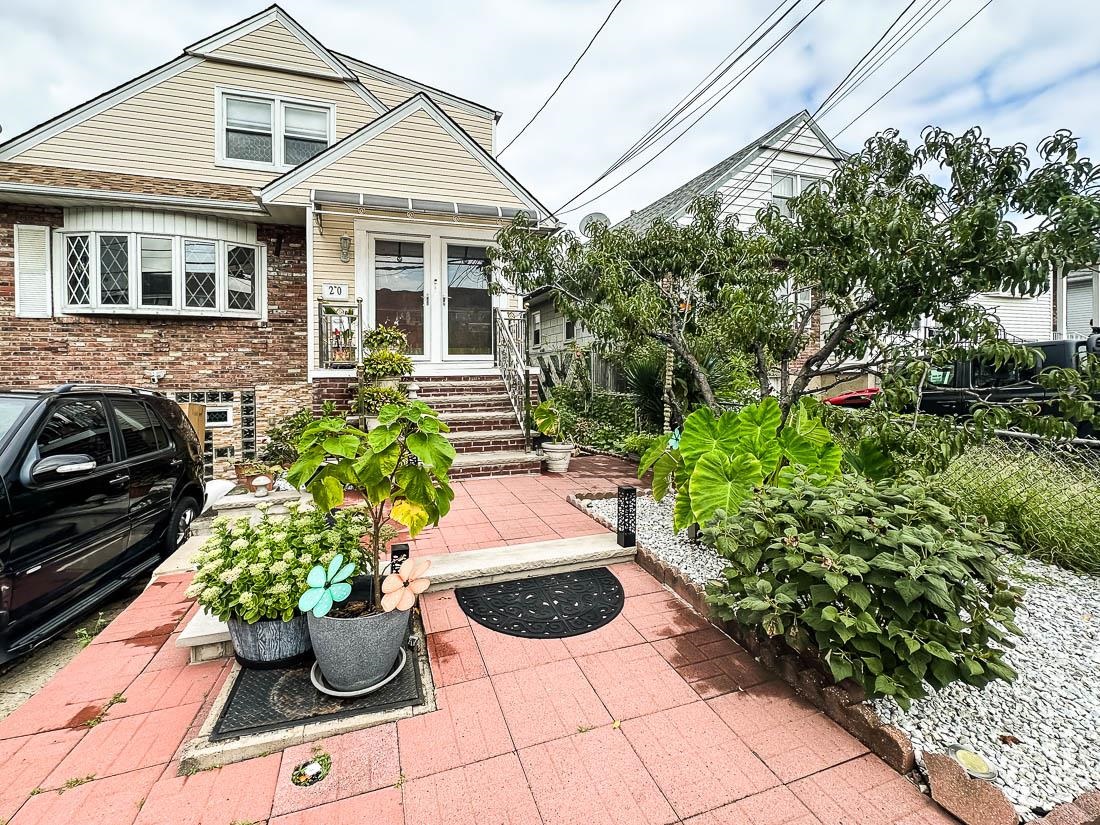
(509, 329)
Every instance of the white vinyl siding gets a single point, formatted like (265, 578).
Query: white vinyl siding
(32, 271)
(155, 222)
(1023, 318)
(169, 130)
(274, 45)
(414, 158)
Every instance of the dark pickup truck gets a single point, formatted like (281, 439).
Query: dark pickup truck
(954, 389)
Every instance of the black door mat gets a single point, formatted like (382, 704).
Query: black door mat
(267, 700)
(546, 607)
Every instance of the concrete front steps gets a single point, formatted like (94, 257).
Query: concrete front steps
(207, 638)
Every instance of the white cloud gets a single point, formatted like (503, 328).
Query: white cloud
(509, 55)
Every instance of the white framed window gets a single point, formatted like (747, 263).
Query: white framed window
(217, 417)
(270, 132)
(786, 185)
(145, 274)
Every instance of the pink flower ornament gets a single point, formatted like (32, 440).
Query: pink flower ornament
(400, 589)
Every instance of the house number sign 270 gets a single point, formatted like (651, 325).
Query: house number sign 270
(335, 292)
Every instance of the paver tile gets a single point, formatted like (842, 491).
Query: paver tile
(440, 611)
(121, 745)
(382, 807)
(866, 791)
(27, 761)
(491, 792)
(115, 800)
(635, 580)
(775, 806)
(660, 614)
(698, 763)
(364, 760)
(503, 653)
(170, 655)
(615, 634)
(711, 662)
(547, 702)
(239, 792)
(454, 657)
(634, 681)
(468, 726)
(143, 621)
(792, 737)
(593, 778)
(168, 688)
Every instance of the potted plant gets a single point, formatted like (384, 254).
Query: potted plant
(385, 361)
(371, 401)
(248, 471)
(358, 644)
(557, 450)
(250, 575)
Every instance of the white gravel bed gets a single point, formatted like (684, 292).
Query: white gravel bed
(1042, 731)
(1053, 707)
(654, 531)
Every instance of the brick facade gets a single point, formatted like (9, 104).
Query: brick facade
(268, 358)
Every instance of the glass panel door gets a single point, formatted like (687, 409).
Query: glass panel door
(399, 289)
(469, 304)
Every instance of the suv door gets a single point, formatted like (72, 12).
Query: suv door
(70, 528)
(150, 459)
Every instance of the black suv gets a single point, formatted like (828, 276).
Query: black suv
(97, 485)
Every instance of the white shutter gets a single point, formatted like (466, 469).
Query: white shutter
(32, 271)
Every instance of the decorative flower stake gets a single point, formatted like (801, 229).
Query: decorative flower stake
(326, 587)
(400, 589)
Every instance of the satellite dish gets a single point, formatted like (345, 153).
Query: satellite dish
(593, 218)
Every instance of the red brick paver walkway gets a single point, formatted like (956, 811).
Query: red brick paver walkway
(655, 718)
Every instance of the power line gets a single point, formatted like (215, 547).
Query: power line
(562, 81)
(717, 97)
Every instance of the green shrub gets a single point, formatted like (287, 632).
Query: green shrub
(639, 443)
(385, 337)
(281, 447)
(1047, 498)
(252, 571)
(595, 417)
(883, 580)
(717, 461)
(373, 399)
(386, 363)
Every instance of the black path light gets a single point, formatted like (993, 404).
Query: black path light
(627, 515)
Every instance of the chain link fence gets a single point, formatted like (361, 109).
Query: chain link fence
(1047, 494)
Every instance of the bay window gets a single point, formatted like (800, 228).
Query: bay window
(257, 131)
(144, 274)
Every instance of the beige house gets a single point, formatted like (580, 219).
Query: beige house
(225, 225)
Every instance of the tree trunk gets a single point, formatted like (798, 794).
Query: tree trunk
(697, 373)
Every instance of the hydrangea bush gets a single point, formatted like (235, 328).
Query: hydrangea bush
(257, 570)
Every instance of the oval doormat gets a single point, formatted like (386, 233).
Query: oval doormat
(546, 607)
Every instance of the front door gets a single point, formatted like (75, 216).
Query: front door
(435, 288)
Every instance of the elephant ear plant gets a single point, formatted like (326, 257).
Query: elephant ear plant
(400, 469)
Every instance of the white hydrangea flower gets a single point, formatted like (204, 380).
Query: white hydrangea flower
(239, 544)
(289, 556)
(280, 589)
(231, 575)
(210, 594)
(279, 567)
(280, 537)
(246, 598)
(257, 569)
(312, 539)
(263, 506)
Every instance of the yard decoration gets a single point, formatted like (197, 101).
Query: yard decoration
(883, 581)
(548, 419)
(249, 575)
(400, 469)
(716, 461)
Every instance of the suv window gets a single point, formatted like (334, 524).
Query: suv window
(77, 427)
(141, 430)
(942, 376)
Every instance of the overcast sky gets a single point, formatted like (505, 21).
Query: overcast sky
(1021, 70)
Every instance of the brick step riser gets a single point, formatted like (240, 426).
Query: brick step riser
(506, 421)
(481, 471)
(491, 408)
(428, 380)
(486, 445)
(447, 392)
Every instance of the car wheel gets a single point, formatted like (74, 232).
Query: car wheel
(179, 526)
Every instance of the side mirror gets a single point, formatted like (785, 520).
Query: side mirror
(63, 466)
(1092, 345)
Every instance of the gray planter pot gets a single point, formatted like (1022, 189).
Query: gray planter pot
(356, 653)
(557, 456)
(270, 642)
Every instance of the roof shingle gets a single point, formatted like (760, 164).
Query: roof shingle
(94, 181)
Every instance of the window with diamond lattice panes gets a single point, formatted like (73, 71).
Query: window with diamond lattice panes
(241, 271)
(77, 268)
(114, 270)
(200, 275)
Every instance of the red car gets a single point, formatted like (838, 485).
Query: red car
(854, 398)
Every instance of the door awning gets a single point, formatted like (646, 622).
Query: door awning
(388, 203)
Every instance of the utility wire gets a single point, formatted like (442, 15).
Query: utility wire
(562, 81)
(900, 80)
(717, 98)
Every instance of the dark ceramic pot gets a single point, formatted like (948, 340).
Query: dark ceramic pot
(270, 643)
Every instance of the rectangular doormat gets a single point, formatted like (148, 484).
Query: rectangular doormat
(267, 700)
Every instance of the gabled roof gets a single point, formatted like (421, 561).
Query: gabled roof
(420, 102)
(676, 202)
(362, 67)
(272, 14)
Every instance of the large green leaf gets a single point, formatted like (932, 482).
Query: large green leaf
(345, 446)
(757, 423)
(327, 492)
(682, 515)
(721, 482)
(798, 449)
(412, 515)
(381, 437)
(434, 451)
(703, 432)
(664, 470)
(655, 451)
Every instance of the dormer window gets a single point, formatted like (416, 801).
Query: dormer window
(270, 132)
